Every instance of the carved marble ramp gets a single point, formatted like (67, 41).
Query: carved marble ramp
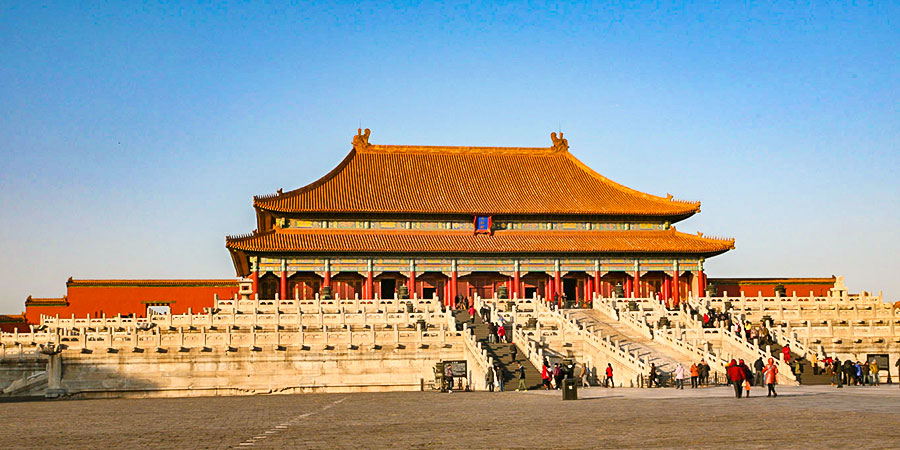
(649, 350)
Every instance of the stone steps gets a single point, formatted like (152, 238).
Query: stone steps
(501, 354)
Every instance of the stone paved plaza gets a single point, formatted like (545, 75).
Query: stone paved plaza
(801, 417)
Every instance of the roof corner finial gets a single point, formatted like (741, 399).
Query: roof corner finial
(559, 143)
(361, 140)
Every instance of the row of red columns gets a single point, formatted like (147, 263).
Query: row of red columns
(632, 285)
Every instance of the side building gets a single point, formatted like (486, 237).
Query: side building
(458, 221)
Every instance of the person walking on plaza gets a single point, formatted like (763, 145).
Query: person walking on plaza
(759, 365)
(500, 377)
(736, 377)
(513, 351)
(448, 377)
(521, 372)
(704, 372)
(679, 376)
(609, 381)
(489, 379)
(545, 375)
(584, 375)
(873, 372)
(557, 376)
(695, 376)
(864, 371)
(771, 374)
(652, 377)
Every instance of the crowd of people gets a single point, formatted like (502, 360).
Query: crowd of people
(849, 372)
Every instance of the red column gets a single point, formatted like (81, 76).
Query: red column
(548, 295)
(676, 291)
(667, 289)
(637, 284)
(254, 277)
(702, 284)
(453, 289)
(628, 291)
(411, 283)
(326, 281)
(369, 291)
(283, 290)
(516, 284)
(557, 284)
(588, 290)
(597, 282)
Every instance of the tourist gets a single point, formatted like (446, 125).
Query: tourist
(873, 372)
(513, 351)
(848, 372)
(472, 314)
(786, 351)
(608, 382)
(735, 377)
(704, 372)
(652, 377)
(448, 377)
(545, 375)
(858, 374)
(864, 376)
(748, 374)
(521, 371)
(584, 375)
(489, 379)
(758, 367)
(815, 364)
(679, 376)
(798, 370)
(771, 373)
(492, 333)
(501, 377)
(695, 376)
(829, 371)
(501, 333)
(557, 376)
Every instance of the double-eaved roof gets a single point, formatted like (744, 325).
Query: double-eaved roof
(429, 181)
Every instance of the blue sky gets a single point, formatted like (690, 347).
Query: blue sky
(133, 137)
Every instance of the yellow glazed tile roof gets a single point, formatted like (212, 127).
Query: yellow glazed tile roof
(415, 241)
(469, 180)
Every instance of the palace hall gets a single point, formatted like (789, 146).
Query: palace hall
(459, 221)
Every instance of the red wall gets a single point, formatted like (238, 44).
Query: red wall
(113, 297)
(753, 286)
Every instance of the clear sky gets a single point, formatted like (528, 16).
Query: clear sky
(133, 137)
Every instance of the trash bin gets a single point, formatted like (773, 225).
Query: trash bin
(570, 389)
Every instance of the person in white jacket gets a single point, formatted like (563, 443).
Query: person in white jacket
(679, 376)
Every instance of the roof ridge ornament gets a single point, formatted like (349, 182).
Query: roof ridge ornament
(559, 143)
(361, 140)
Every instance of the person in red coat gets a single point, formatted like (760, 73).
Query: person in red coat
(735, 376)
(786, 350)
